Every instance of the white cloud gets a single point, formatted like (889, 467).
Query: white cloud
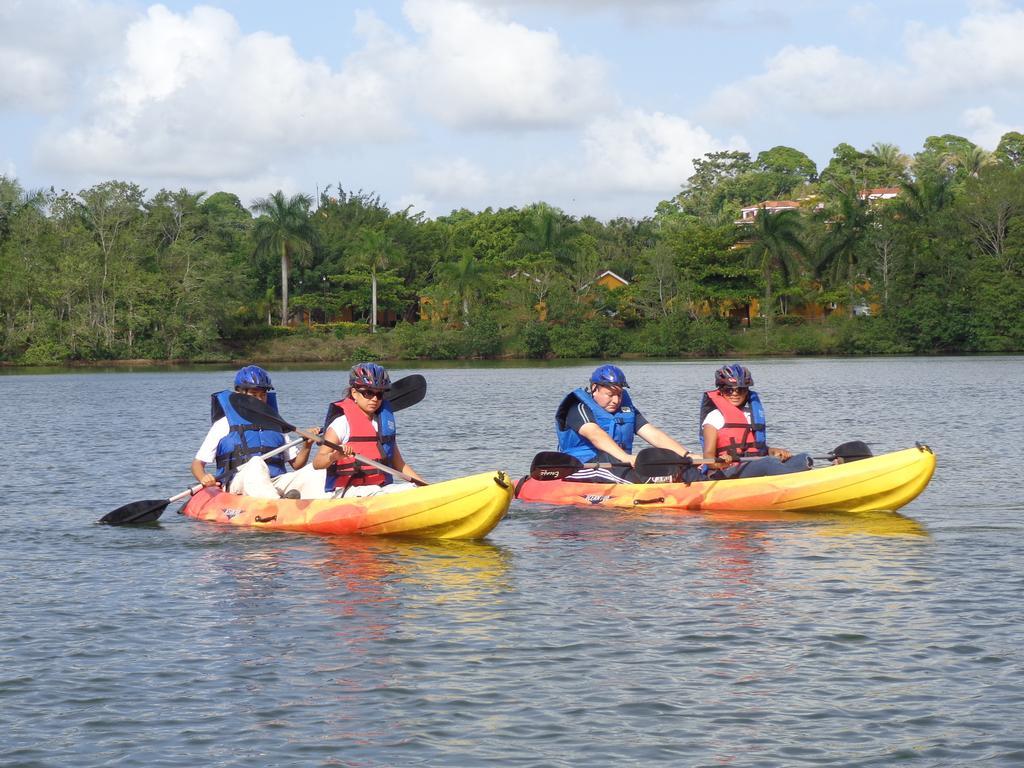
(46, 45)
(633, 10)
(984, 129)
(476, 69)
(194, 97)
(451, 179)
(643, 152)
(624, 161)
(822, 80)
(982, 53)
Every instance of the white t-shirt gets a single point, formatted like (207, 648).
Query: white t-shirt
(344, 431)
(220, 429)
(716, 418)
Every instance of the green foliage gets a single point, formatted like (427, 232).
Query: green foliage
(421, 341)
(481, 339)
(284, 230)
(45, 353)
(109, 273)
(867, 336)
(589, 338)
(536, 340)
(1010, 150)
(363, 353)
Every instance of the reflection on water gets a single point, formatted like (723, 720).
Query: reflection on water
(571, 637)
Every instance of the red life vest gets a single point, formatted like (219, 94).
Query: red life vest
(738, 436)
(364, 439)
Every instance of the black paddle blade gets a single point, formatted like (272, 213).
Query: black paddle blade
(254, 410)
(407, 391)
(658, 462)
(136, 513)
(552, 465)
(855, 450)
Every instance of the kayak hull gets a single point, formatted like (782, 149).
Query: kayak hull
(464, 508)
(881, 483)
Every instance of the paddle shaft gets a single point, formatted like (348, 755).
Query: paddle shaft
(199, 486)
(362, 459)
(149, 511)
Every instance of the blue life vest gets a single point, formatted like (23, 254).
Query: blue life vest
(736, 436)
(244, 440)
(620, 425)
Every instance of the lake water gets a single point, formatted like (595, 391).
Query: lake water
(570, 637)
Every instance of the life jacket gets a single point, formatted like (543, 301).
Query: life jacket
(620, 425)
(244, 440)
(377, 444)
(737, 436)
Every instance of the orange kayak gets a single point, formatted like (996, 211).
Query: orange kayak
(464, 508)
(881, 483)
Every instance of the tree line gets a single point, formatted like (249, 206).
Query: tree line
(935, 265)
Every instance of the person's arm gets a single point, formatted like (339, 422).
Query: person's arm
(298, 461)
(659, 439)
(710, 432)
(207, 452)
(326, 455)
(199, 473)
(602, 441)
(399, 463)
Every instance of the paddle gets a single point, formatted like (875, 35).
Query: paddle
(855, 450)
(149, 511)
(407, 391)
(650, 462)
(261, 414)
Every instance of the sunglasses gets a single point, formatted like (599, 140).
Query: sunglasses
(733, 390)
(370, 394)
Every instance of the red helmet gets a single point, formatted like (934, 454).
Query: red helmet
(734, 375)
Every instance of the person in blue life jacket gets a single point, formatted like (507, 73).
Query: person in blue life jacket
(597, 423)
(733, 427)
(235, 446)
(363, 423)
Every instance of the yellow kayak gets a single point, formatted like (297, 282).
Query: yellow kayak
(881, 483)
(465, 508)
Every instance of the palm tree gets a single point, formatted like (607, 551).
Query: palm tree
(284, 229)
(467, 277)
(923, 198)
(546, 230)
(848, 223)
(891, 159)
(14, 200)
(775, 244)
(973, 160)
(374, 250)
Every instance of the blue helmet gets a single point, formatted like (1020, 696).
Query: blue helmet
(253, 377)
(369, 375)
(609, 375)
(734, 375)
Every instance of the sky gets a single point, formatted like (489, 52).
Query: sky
(598, 107)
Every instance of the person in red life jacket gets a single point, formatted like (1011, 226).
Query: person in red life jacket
(236, 445)
(597, 423)
(362, 421)
(733, 427)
